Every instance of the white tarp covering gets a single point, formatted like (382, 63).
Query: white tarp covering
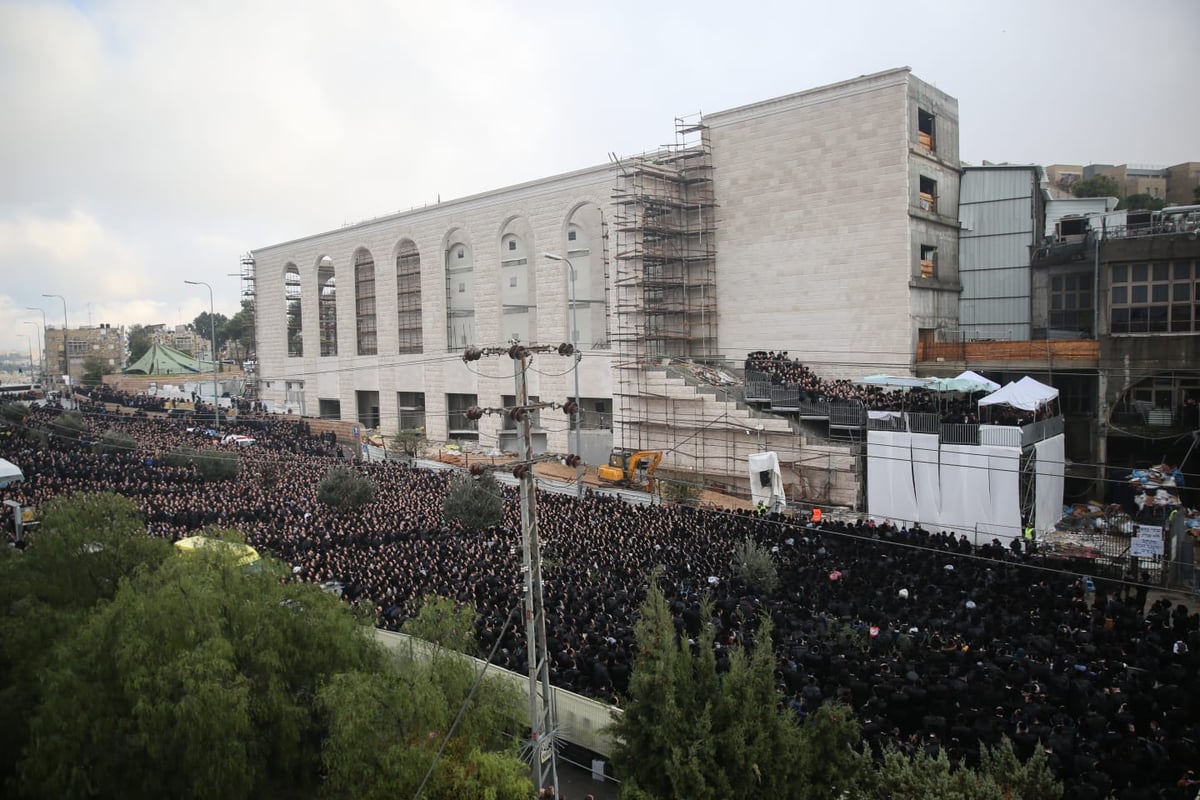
(9, 473)
(964, 488)
(1026, 394)
(1051, 467)
(970, 375)
(891, 493)
(770, 492)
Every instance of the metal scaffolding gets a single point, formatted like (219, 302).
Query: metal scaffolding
(665, 274)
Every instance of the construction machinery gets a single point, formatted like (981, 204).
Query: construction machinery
(631, 468)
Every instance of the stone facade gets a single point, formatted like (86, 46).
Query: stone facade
(823, 202)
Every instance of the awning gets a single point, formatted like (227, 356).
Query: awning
(1026, 394)
(9, 473)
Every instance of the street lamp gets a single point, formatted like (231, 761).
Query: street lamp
(29, 339)
(45, 360)
(41, 350)
(212, 319)
(66, 355)
(578, 356)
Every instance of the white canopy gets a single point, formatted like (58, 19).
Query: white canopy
(9, 473)
(970, 375)
(1026, 394)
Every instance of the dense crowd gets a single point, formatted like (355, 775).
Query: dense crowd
(781, 370)
(937, 644)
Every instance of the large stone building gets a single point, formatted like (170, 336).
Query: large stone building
(824, 223)
(103, 343)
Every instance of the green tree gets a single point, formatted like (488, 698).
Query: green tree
(76, 558)
(139, 342)
(385, 731)
(473, 502)
(202, 326)
(14, 413)
(445, 623)
(1028, 780)
(753, 566)
(115, 442)
(68, 424)
(198, 679)
(345, 490)
(1097, 186)
(1143, 202)
(1196, 193)
(928, 777)
(409, 441)
(688, 731)
(94, 370)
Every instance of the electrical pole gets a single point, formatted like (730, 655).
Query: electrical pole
(542, 727)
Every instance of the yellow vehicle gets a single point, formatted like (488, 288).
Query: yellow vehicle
(632, 468)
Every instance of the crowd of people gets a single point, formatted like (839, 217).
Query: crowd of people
(781, 370)
(938, 644)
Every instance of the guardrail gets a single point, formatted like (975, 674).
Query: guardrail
(581, 720)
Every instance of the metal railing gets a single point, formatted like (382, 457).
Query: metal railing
(785, 398)
(847, 415)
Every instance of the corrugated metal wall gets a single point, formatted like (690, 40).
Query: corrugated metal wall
(996, 211)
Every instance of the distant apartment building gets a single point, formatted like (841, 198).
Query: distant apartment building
(102, 342)
(1176, 184)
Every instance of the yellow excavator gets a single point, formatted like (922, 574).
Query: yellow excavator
(633, 469)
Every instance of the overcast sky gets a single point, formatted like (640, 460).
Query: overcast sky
(148, 142)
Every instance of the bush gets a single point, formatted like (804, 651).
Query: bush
(212, 465)
(344, 490)
(116, 442)
(752, 565)
(14, 412)
(474, 503)
(68, 424)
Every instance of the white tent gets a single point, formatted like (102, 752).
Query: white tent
(970, 375)
(9, 473)
(1026, 394)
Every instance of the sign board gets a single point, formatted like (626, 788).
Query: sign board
(1147, 543)
(354, 431)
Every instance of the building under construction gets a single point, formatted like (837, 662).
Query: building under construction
(762, 227)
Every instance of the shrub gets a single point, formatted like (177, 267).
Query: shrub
(69, 424)
(344, 490)
(474, 503)
(752, 565)
(212, 465)
(116, 442)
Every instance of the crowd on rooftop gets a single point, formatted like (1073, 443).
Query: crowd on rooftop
(937, 644)
(782, 370)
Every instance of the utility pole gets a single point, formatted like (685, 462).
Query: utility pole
(542, 717)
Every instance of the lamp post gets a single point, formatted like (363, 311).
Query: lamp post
(41, 347)
(45, 361)
(29, 339)
(212, 319)
(66, 327)
(578, 356)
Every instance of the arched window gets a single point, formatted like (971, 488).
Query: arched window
(364, 303)
(292, 308)
(591, 297)
(408, 297)
(327, 306)
(460, 292)
(518, 300)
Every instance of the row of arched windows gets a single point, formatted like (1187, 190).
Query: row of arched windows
(517, 293)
